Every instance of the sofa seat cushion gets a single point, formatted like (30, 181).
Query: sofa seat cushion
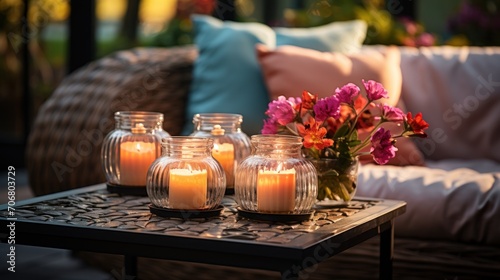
(454, 200)
(227, 77)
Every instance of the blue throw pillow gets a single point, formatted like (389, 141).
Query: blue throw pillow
(339, 36)
(227, 77)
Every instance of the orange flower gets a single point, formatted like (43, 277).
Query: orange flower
(308, 100)
(314, 135)
(366, 120)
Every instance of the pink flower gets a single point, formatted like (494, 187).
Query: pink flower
(347, 93)
(270, 127)
(391, 114)
(294, 101)
(327, 107)
(410, 26)
(343, 125)
(281, 110)
(374, 90)
(425, 40)
(382, 148)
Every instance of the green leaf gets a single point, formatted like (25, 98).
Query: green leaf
(354, 143)
(354, 135)
(330, 172)
(342, 131)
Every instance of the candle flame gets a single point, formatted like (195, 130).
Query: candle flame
(138, 147)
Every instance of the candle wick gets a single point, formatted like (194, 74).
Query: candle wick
(217, 130)
(139, 128)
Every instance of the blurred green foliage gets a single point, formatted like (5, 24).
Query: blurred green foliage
(383, 27)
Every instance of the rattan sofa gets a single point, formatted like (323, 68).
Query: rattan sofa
(64, 153)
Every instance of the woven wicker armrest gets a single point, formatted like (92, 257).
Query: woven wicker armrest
(64, 145)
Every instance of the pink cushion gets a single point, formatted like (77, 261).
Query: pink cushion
(289, 70)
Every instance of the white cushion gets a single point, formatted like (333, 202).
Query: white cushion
(450, 199)
(458, 91)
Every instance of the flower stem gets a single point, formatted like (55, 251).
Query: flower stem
(291, 131)
(367, 140)
(353, 127)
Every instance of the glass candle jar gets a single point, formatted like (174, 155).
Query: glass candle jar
(231, 145)
(129, 150)
(186, 176)
(276, 178)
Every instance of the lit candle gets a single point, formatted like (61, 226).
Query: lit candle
(135, 159)
(224, 154)
(276, 191)
(187, 189)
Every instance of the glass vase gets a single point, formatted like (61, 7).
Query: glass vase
(129, 149)
(231, 145)
(337, 178)
(276, 178)
(186, 176)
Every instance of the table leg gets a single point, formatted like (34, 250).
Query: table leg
(386, 251)
(130, 268)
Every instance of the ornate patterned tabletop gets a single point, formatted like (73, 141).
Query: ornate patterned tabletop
(93, 219)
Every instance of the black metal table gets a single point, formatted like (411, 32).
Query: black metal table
(92, 219)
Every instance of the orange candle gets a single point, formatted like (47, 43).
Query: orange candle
(135, 159)
(224, 154)
(276, 191)
(187, 189)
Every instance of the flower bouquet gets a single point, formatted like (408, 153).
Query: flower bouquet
(332, 130)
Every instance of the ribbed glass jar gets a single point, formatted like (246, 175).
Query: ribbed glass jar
(276, 178)
(231, 145)
(129, 149)
(186, 176)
